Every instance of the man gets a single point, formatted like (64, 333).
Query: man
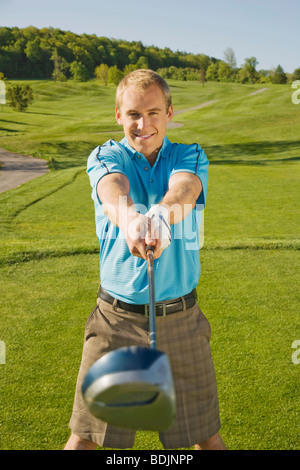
(147, 191)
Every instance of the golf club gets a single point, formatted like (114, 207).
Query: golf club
(132, 387)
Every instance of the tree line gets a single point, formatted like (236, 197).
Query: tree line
(50, 53)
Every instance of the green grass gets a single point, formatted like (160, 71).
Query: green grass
(66, 121)
(254, 313)
(248, 289)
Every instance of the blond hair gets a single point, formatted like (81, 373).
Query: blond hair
(143, 79)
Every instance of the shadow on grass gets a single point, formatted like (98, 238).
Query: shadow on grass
(67, 154)
(72, 154)
(16, 122)
(253, 162)
(253, 153)
(44, 114)
(10, 130)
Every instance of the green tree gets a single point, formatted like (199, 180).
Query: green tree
(133, 57)
(114, 75)
(278, 75)
(61, 68)
(264, 76)
(28, 92)
(230, 62)
(82, 56)
(296, 74)
(79, 72)
(229, 57)
(142, 63)
(32, 50)
(224, 72)
(212, 72)
(6, 36)
(129, 68)
(30, 33)
(242, 76)
(101, 73)
(250, 69)
(202, 77)
(153, 57)
(20, 97)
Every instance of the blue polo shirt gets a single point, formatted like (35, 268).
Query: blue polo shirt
(177, 271)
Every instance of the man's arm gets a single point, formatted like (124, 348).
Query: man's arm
(181, 198)
(113, 191)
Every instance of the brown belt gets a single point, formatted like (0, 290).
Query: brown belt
(162, 308)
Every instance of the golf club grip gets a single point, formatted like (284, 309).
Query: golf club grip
(152, 326)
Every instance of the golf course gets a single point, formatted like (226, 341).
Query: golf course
(250, 267)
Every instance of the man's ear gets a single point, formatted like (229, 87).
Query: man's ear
(170, 113)
(118, 116)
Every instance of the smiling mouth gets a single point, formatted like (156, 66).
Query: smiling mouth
(143, 137)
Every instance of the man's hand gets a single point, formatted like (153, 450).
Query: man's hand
(159, 216)
(139, 233)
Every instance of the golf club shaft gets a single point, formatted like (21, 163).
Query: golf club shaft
(149, 251)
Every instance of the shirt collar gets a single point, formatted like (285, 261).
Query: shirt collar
(132, 152)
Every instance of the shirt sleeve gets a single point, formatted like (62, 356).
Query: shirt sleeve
(192, 159)
(102, 161)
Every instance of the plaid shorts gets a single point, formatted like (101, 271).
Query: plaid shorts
(185, 338)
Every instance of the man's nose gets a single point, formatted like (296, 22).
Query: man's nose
(143, 122)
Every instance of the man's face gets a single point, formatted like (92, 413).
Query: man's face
(144, 118)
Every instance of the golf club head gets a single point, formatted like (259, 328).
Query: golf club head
(131, 388)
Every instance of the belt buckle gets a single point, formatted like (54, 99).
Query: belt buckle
(164, 314)
(164, 309)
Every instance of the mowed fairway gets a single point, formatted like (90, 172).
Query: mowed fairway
(249, 287)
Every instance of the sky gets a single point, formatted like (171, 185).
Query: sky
(266, 29)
